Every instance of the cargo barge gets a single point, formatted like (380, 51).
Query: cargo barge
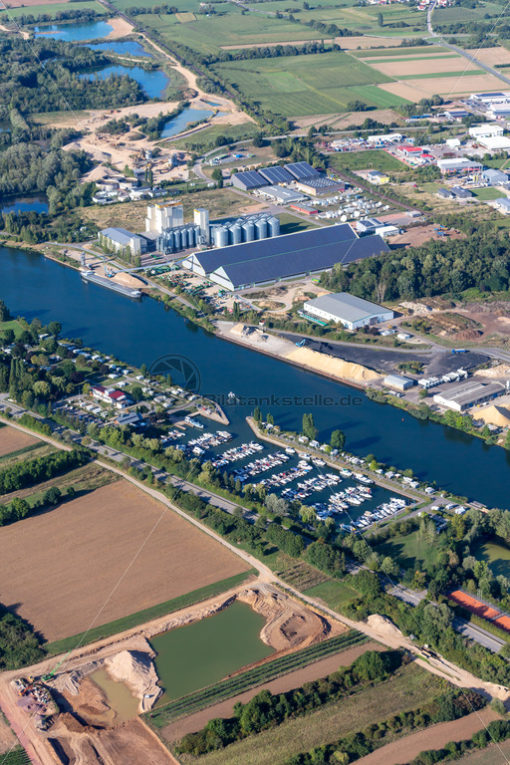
(103, 281)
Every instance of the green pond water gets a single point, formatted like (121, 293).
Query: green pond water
(192, 657)
(118, 696)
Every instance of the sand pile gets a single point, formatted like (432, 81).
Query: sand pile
(501, 370)
(136, 670)
(331, 365)
(383, 626)
(494, 415)
(288, 624)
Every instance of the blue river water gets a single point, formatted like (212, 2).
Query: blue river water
(153, 83)
(144, 331)
(75, 32)
(181, 122)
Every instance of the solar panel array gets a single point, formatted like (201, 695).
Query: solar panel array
(284, 256)
(251, 179)
(276, 174)
(301, 170)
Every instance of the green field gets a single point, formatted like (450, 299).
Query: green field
(365, 20)
(409, 551)
(408, 688)
(256, 676)
(140, 617)
(496, 555)
(487, 194)
(371, 159)
(430, 75)
(205, 139)
(304, 85)
(209, 34)
(17, 756)
(335, 594)
(202, 653)
(51, 9)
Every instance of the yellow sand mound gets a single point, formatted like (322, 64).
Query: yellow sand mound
(330, 365)
(494, 415)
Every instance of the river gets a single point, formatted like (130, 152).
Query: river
(142, 332)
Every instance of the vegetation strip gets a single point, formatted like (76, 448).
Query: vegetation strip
(205, 697)
(140, 617)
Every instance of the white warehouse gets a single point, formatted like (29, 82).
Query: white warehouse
(351, 311)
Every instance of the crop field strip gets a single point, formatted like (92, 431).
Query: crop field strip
(399, 51)
(410, 687)
(50, 9)
(33, 450)
(205, 697)
(148, 614)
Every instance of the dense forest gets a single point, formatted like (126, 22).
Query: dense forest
(449, 266)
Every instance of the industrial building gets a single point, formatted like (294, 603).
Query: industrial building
(248, 228)
(495, 143)
(487, 130)
(350, 311)
(503, 205)
(121, 241)
(377, 178)
(459, 165)
(301, 171)
(248, 180)
(283, 257)
(277, 174)
(470, 394)
(201, 219)
(281, 195)
(159, 218)
(399, 382)
(320, 184)
(493, 177)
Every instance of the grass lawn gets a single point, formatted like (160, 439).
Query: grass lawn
(51, 9)
(408, 688)
(289, 224)
(495, 554)
(11, 324)
(372, 159)
(488, 193)
(398, 51)
(335, 594)
(133, 620)
(409, 551)
(303, 85)
(205, 139)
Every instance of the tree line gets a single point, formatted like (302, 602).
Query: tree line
(31, 472)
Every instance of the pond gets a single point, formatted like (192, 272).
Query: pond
(118, 696)
(153, 83)
(25, 204)
(202, 653)
(177, 124)
(122, 47)
(75, 32)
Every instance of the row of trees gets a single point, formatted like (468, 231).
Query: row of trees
(30, 472)
(267, 710)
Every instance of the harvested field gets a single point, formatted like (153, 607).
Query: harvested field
(175, 731)
(120, 551)
(353, 43)
(492, 56)
(414, 90)
(11, 440)
(405, 749)
(409, 66)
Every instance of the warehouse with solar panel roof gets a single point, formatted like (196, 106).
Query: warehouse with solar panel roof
(265, 261)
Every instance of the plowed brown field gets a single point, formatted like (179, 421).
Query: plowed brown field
(11, 440)
(103, 556)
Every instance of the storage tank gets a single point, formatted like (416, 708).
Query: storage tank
(236, 234)
(177, 240)
(248, 231)
(273, 226)
(261, 228)
(221, 236)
